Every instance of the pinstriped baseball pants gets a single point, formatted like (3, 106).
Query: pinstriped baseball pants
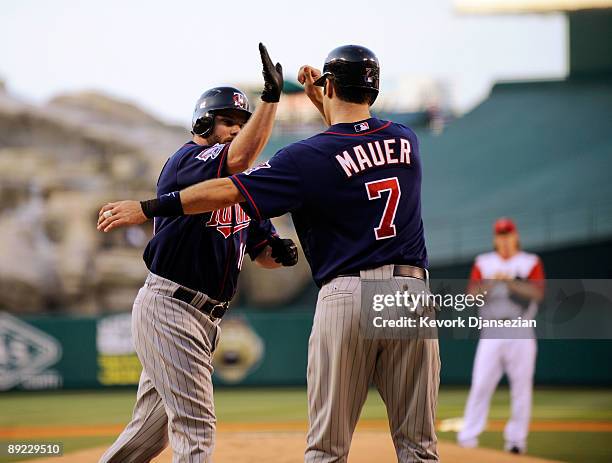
(343, 362)
(174, 342)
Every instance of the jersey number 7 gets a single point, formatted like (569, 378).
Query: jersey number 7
(386, 228)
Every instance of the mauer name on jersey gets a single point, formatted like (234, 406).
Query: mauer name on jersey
(374, 154)
(222, 219)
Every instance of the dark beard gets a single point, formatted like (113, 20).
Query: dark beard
(214, 139)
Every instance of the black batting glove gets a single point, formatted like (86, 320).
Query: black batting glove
(273, 77)
(284, 251)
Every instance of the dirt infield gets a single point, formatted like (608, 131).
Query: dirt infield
(288, 447)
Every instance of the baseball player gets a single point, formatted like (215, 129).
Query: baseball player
(354, 195)
(514, 285)
(194, 263)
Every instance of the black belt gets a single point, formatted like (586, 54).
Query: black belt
(215, 310)
(409, 271)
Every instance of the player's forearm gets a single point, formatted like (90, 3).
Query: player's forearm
(317, 100)
(307, 76)
(526, 290)
(209, 196)
(197, 199)
(252, 138)
(255, 134)
(477, 288)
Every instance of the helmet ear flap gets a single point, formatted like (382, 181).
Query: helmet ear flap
(204, 125)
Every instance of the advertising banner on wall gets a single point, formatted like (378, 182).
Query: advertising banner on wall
(256, 349)
(51, 352)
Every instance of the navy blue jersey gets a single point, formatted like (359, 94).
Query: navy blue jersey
(203, 252)
(354, 192)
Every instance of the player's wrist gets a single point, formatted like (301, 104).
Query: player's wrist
(271, 96)
(168, 205)
(267, 103)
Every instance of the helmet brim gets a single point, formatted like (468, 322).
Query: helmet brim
(232, 110)
(320, 82)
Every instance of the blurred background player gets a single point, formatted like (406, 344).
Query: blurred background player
(513, 283)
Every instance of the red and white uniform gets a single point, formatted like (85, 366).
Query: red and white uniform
(494, 357)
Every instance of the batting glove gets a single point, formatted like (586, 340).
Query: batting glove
(284, 251)
(273, 77)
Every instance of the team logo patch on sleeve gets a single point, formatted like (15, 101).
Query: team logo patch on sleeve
(362, 127)
(210, 153)
(264, 165)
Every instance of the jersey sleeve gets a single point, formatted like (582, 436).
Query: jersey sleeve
(259, 233)
(536, 275)
(270, 189)
(475, 278)
(202, 163)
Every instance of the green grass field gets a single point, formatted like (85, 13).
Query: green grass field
(19, 409)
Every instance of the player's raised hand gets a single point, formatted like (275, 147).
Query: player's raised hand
(120, 214)
(273, 77)
(307, 75)
(502, 276)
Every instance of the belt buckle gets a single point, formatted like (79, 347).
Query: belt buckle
(218, 310)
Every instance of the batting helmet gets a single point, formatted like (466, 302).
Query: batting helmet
(214, 100)
(352, 66)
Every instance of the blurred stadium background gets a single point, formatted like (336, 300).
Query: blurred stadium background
(539, 151)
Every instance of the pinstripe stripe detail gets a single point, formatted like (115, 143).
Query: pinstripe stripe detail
(174, 343)
(342, 362)
(149, 420)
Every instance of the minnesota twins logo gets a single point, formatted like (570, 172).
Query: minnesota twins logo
(370, 75)
(240, 100)
(222, 219)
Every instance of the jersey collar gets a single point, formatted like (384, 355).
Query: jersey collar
(192, 143)
(359, 128)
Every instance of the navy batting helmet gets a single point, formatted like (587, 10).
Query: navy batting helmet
(352, 66)
(213, 100)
